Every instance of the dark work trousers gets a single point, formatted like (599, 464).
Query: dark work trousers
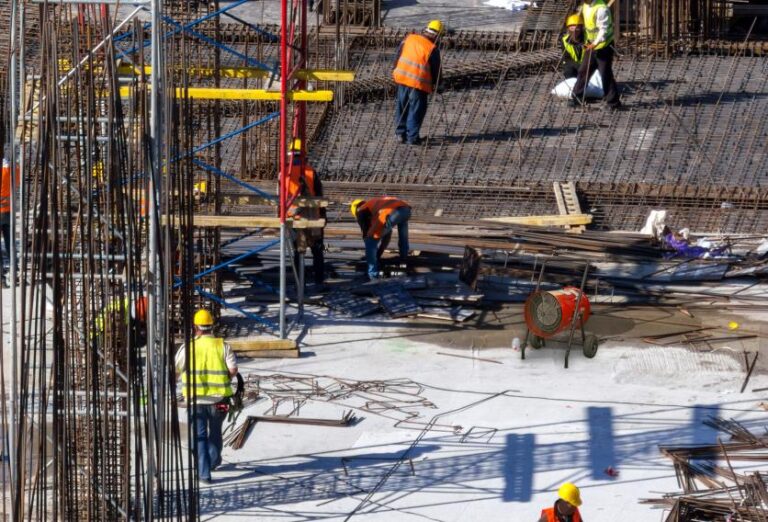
(410, 109)
(208, 423)
(602, 60)
(570, 68)
(5, 227)
(314, 240)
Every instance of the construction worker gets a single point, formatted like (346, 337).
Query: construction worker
(417, 69)
(566, 508)
(377, 217)
(573, 45)
(598, 53)
(206, 385)
(134, 312)
(303, 181)
(5, 217)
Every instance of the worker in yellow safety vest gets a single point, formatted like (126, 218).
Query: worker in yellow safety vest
(376, 218)
(121, 312)
(207, 366)
(573, 45)
(598, 25)
(417, 69)
(304, 182)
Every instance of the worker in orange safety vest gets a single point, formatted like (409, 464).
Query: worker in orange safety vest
(417, 69)
(304, 182)
(377, 217)
(5, 214)
(566, 508)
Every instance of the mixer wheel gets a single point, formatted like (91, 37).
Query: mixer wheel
(536, 341)
(590, 346)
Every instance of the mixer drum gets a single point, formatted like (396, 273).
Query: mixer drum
(547, 313)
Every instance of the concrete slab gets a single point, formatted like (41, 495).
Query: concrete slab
(445, 438)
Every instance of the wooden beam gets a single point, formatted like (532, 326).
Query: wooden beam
(213, 93)
(250, 222)
(544, 221)
(271, 354)
(324, 75)
(252, 345)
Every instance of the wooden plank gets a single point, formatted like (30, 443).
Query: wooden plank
(252, 222)
(326, 75)
(271, 354)
(544, 221)
(250, 345)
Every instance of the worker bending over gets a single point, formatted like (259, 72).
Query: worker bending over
(206, 379)
(598, 24)
(122, 312)
(377, 217)
(573, 45)
(304, 182)
(566, 508)
(417, 69)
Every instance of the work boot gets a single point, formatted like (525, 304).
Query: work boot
(401, 137)
(415, 141)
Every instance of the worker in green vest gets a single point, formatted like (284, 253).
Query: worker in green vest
(207, 366)
(573, 45)
(598, 53)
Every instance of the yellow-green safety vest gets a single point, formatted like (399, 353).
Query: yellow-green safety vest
(210, 375)
(589, 12)
(115, 306)
(576, 53)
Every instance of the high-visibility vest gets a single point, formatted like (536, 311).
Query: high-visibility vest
(210, 374)
(576, 52)
(589, 12)
(301, 183)
(112, 309)
(5, 189)
(549, 515)
(380, 208)
(412, 68)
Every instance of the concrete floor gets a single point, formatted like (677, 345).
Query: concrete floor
(494, 441)
(467, 14)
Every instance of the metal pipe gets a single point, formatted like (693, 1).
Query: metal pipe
(284, 70)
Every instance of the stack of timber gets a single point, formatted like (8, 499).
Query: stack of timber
(712, 488)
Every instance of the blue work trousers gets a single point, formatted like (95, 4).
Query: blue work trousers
(208, 423)
(375, 248)
(410, 109)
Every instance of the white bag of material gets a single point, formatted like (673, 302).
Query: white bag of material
(655, 223)
(594, 88)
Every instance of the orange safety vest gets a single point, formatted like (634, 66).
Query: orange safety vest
(380, 208)
(412, 69)
(549, 515)
(5, 190)
(301, 183)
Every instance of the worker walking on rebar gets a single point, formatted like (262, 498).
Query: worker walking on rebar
(573, 45)
(304, 182)
(206, 373)
(598, 24)
(566, 508)
(377, 217)
(417, 69)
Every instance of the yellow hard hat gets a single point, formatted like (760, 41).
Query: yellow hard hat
(733, 325)
(574, 19)
(355, 204)
(296, 145)
(570, 493)
(435, 26)
(203, 318)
